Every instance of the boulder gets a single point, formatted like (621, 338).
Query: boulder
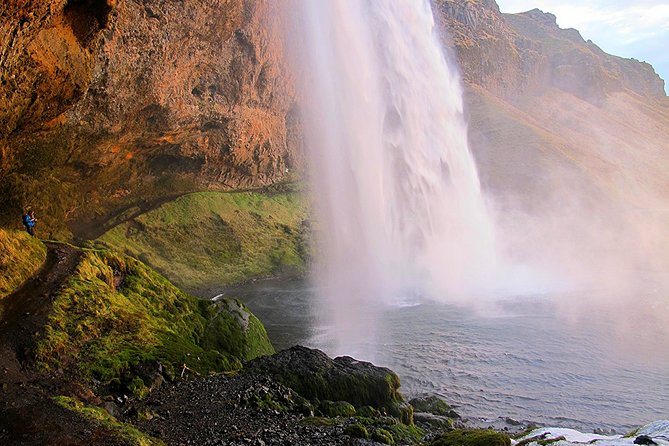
(471, 437)
(314, 375)
(434, 405)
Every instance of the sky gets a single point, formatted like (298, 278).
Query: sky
(638, 29)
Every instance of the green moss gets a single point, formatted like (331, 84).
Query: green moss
(115, 313)
(431, 404)
(526, 432)
(212, 238)
(406, 434)
(337, 409)
(318, 421)
(138, 389)
(357, 430)
(101, 417)
(474, 437)
(632, 433)
(368, 412)
(383, 436)
(21, 257)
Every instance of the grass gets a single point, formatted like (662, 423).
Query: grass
(115, 314)
(21, 257)
(101, 417)
(209, 239)
(471, 437)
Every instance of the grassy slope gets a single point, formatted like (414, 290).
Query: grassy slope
(212, 238)
(21, 256)
(115, 314)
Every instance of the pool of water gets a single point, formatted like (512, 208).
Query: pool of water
(519, 359)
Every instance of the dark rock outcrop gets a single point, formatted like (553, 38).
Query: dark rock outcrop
(312, 374)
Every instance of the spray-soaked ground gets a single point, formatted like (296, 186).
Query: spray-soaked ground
(520, 360)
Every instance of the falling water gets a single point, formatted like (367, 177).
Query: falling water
(396, 187)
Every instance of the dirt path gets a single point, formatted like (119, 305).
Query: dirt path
(28, 415)
(24, 313)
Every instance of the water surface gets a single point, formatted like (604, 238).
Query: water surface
(517, 359)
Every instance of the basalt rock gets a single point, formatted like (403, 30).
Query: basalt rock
(312, 374)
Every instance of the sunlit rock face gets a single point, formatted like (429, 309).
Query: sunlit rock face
(109, 102)
(569, 141)
(512, 54)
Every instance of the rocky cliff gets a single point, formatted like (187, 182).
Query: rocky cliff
(110, 106)
(111, 103)
(570, 142)
(520, 54)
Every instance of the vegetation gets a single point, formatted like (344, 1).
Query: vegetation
(473, 437)
(115, 314)
(212, 238)
(383, 436)
(21, 256)
(357, 430)
(431, 404)
(101, 417)
(337, 409)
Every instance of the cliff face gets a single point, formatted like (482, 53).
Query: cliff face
(520, 54)
(547, 107)
(570, 141)
(110, 103)
(109, 106)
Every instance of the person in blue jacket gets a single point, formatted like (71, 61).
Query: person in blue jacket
(29, 222)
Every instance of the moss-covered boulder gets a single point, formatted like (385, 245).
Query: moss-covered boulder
(434, 405)
(21, 257)
(383, 436)
(473, 437)
(437, 421)
(357, 430)
(368, 412)
(312, 374)
(336, 409)
(115, 315)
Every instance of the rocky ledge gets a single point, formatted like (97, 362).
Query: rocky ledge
(300, 397)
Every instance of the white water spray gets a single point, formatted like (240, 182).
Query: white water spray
(398, 196)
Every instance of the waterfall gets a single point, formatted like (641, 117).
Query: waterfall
(400, 210)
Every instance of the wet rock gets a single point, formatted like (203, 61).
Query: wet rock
(438, 421)
(312, 374)
(643, 439)
(433, 404)
(111, 408)
(336, 409)
(474, 437)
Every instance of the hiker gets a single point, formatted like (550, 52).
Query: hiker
(29, 221)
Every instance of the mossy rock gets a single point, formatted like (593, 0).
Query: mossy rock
(434, 405)
(383, 436)
(368, 412)
(115, 314)
(335, 409)
(357, 430)
(315, 376)
(405, 413)
(473, 437)
(406, 434)
(437, 421)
